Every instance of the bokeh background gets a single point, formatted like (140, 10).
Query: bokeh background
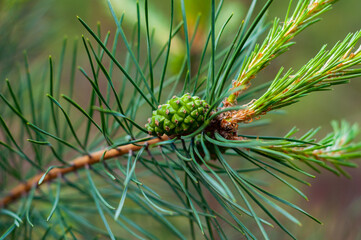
(39, 27)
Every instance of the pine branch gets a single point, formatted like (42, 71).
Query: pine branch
(327, 68)
(74, 165)
(331, 153)
(203, 159)
(277, 42)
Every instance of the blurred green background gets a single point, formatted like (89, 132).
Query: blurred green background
(39, 27)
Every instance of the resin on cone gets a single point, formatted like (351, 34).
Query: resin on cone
(179, 116)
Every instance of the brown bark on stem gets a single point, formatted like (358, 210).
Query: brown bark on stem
(77, 163)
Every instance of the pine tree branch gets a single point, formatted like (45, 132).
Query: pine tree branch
(277, 42)
(331, 153)
(76, 164)
(327, 68)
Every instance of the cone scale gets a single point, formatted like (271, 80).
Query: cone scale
(178, 116)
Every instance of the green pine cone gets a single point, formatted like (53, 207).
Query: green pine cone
(179, 116)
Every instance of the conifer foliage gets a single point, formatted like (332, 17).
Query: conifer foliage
(71, 170)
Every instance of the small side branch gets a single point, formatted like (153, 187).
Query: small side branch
(77, 163)
(278, 41)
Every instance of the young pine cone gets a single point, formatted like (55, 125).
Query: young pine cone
(179, 116)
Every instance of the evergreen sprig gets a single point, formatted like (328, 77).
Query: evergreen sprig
(277, 41)
(327, 68)
(331, 152)
(214, 179)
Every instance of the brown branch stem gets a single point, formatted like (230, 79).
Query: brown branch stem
(77, 163)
